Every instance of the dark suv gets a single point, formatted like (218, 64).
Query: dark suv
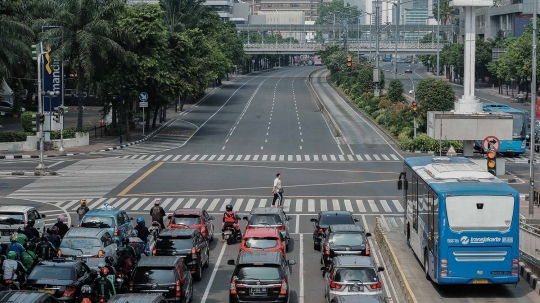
(167, 276)
(344, 240)
(327, 218)
(188, 243)
(261, 276)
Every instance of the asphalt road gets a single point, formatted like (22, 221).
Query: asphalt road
(240, 136)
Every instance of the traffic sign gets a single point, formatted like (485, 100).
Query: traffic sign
(143, 97)
(143, 104)
(491, 143)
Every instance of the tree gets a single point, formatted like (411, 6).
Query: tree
(447, 12)
(181, 15)
(335, 12)
(433, 94)
(86, 36)
(395, 91)
(15, 38)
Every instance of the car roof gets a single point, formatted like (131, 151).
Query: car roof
(335, 213)
(103, 212)
(267, 257)
(188, 211)
(177, 232)
(358, 298)
(16, 208)
(86, 232)
(66, 263)
(362, 261)
(266, 210)
(136, 298)
(261, 232)
(346, 228)
(23, 296)
(158, 261)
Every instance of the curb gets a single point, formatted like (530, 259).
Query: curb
(11, 157)
(27, 173)
(529, 277)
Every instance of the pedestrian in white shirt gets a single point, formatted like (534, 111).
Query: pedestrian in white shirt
(277, 190)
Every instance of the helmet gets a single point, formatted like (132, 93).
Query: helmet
(55, 229)
(83, 202)
(140, 220)
(30, 246)
(104, 271)
(157, 201)
(86, 289)
(31, 222)
(229, 207)
(44, 239)
(60, 218)
(21, 230)
(109, 260)
(12, 255)
(13, 238)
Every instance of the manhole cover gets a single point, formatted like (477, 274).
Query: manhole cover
(184, 133)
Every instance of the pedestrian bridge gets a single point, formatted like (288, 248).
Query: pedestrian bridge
(364, 48)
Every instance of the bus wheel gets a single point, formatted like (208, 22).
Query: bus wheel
(426, 266)
(408, 235)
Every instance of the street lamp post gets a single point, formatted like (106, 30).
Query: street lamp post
(377, 28)
(438, 33)
(533, 110)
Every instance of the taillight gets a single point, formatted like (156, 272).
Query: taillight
(376, 286)
(131, 286)
(284, 287)
(59, 253)
(116, 230)
(282, 227)
(178, 289)
(321, 231)
(368, 251)
(233, 288)
(69, 292)
(194, 253)
(249, 227)
(327, 249)
(101, 300)
(154, 251)
(101, 254)
(333, 285)
(203, 229)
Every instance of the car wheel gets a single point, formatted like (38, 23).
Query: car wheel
(198, 274)
(207, 263)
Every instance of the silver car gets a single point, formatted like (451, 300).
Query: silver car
(352, 275)
(270, 217)
(90, 245)
(13, 217)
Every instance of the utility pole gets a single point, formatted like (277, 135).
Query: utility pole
(377, 28)
(398, 5)
(39, 53)
(533, 111)
(438, 32)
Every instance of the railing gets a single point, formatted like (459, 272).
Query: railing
(101, 130)
(529, 246)
(403, 291)
(352, 46)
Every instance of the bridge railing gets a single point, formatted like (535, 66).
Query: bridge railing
(352, 46)
(529, 246)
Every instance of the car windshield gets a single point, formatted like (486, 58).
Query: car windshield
(178, 243)
(11, 218)
(80, 243)
(261, 243)
(258, 273)
(51, 273)
(97, 222)
(347, 239)
(272, 219)
(186, 219)
(145, 275)
(360, 274)
(332, 219)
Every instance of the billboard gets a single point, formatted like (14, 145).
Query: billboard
(52, 71)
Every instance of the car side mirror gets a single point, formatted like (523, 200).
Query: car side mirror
(313, 220)
(131, 219)
(324, 269)
(72, 225)
(245, 218)
(289, 218)
(399, 185)
(212, 218)
(292, 262)
(43, 216)
(355, 220)
(380, 268)
(169, 216)
(368, 234)
(230, 262)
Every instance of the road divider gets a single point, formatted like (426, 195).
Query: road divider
(336, 131)
(393, 269)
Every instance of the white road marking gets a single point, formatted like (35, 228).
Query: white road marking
(237, 204)
(225, 203)
(56, 163)
(398, 206)
(348, 205)
(213, 204)
(385, 206)
(201, 203)
(373, 206)
(249, 205)
(323, 205)
(301, 269)
(335, 204)
(213, 276)
(311, 205)
(177, 203)
(262, 203)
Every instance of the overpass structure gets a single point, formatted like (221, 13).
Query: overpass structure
(327, 28)
(361, 48)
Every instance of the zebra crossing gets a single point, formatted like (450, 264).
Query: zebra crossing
(265, 158)
(243, 205)
(521, 159)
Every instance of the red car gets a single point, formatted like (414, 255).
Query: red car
(268, 239)
(196, 218)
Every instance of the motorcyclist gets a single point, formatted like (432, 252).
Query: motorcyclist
(130, 249)
(29, 257)
(230, 219)
(83, 209)
(155, 229)
(13, 269)
(31, 232)
(54, 238)
(15, 246)
(21, 235)
(45, 250)
(86, 295)
(125, 263)
(62, 227)
(109, 262)
(143, 232)
(103, 286)
(158, 213)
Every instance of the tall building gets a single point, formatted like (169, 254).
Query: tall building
(285, 17)
(415, 16)
(310, 8)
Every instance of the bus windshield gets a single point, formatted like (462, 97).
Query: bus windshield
(480, 212)
(518, 131)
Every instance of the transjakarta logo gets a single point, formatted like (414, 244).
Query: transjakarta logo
(466, 240)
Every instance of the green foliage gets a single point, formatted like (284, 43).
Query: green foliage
(365, 79)
(327, 10)
(395, 91)
(433, 94)
(69, 133)
(14, 136)
(26, 121)
(423, 142)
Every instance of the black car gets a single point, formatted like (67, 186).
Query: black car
(357, 298)
(325, 219)
(408, 70)
(168, 276)
(261, 276)
(137, 298)
(344, 239)
(25, 296)
(188, 243)
(60, 278)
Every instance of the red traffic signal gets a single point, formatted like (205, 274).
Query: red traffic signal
(349, 59)
(414, 103)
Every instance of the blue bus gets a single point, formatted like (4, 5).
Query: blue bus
(518, 144)
(461, 222)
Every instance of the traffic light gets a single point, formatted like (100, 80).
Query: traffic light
(349, 62)
(35, 51)
(56, 115)
(492, 162)
(35, 121)
(414, 109)
(41, 118)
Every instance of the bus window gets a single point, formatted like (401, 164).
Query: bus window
(430, 221)
(415, 202)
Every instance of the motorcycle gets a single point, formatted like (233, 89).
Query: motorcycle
(232, 235)
(12, 285)
(102, 299)
(121, 283)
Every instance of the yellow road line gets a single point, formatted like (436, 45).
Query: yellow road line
(148, 172)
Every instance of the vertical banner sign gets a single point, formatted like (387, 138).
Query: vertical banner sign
(52, 77)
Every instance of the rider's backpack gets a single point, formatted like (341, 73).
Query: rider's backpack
(46, 251)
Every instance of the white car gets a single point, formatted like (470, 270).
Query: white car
(89, 245)
(13, 217)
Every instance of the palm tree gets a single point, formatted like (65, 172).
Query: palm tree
(86, 37)
(181, 15)
(13, 40)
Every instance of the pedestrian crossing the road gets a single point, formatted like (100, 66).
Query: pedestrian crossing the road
(265, 158)
(244, 205)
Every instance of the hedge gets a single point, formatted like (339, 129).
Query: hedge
(26, 121)
(69, 133)
(14, 136)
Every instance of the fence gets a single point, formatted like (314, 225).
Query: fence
(98, 131)
(529, 246)
(393, 268)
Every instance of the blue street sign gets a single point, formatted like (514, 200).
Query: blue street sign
(51, 71)
(143, 97)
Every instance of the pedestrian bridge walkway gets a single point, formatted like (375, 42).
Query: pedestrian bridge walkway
(363, 47)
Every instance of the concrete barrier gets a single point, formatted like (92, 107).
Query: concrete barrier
(403, 291)
(337, 131)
